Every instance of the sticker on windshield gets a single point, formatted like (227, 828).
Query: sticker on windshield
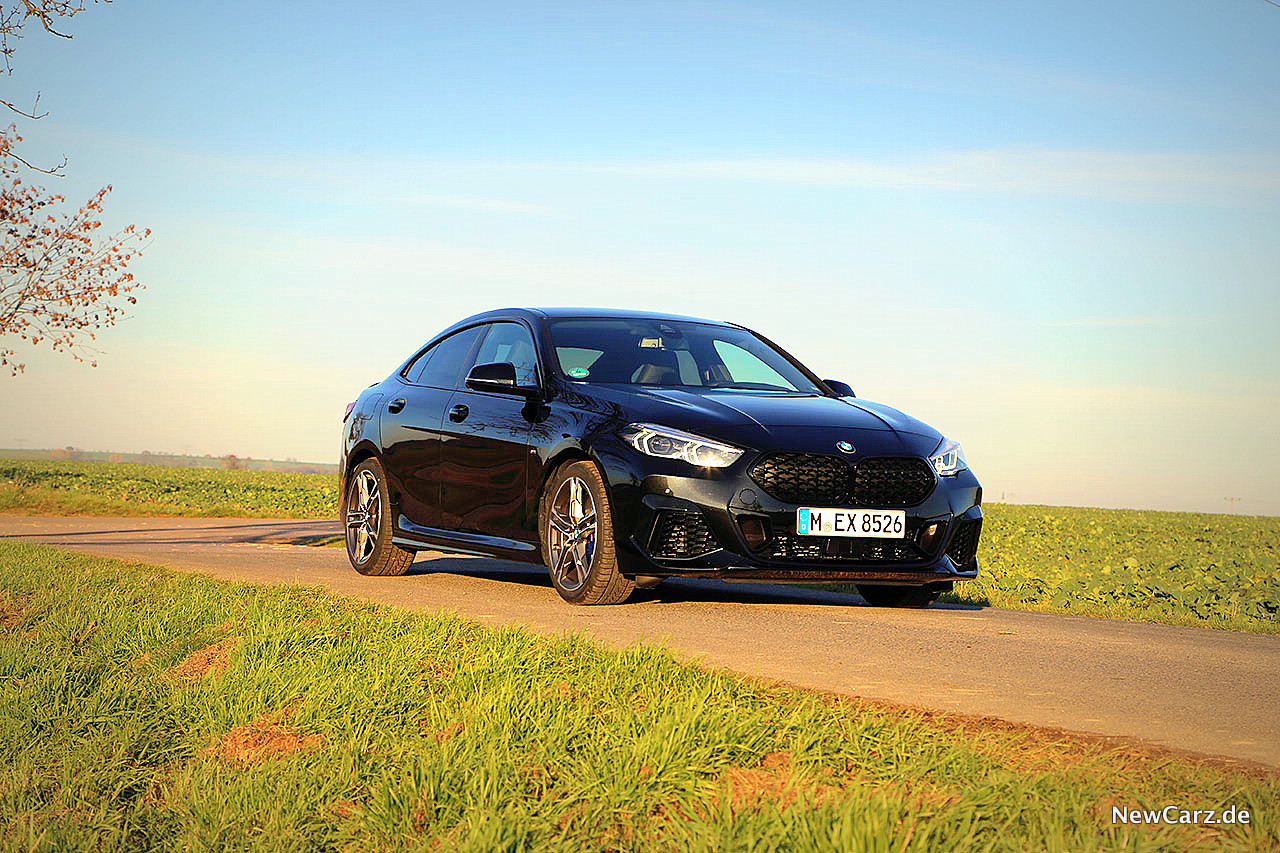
(578, 372)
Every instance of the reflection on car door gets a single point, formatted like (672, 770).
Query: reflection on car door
(486, 446)
(410, 423)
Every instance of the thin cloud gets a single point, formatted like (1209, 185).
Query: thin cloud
(1187, 177)
(1015, 170)
(1116, 323)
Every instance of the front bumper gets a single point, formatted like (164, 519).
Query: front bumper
(647, 494)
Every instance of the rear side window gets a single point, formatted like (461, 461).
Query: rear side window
(441, 366)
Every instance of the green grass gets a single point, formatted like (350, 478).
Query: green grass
(340, 724)
(1217, 571)
(47, 487)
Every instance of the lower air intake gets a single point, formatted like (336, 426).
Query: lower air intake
(791, 546)
(681, 535)
(963, 548)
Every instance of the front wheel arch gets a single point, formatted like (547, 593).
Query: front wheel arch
(604, 582)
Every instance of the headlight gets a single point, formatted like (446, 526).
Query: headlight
(948, 460)
(668, 443)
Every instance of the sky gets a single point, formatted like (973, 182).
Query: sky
(1052, 232)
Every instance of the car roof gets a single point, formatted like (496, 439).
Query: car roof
(532, 316)
(563, 312)
(622, 314)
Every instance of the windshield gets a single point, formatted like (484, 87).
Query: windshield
(672, 354)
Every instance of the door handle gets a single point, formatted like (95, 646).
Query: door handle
(459, 413)
(395, 405)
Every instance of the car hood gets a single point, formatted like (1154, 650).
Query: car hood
(809, 423)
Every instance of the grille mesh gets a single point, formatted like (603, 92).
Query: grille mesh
(964, 542)
(892, 481)
(878, 481)
(802, 477)
(681, 535)
(792, 546)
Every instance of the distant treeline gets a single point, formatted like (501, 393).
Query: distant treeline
(174, 460)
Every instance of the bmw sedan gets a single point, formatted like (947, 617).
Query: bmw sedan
(620, 448)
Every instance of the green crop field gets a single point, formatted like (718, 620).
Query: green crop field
(47, 487)
(1185, 568)
(142, 708)
(1219, 571)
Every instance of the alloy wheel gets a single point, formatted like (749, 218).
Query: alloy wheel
(364, 507)
(571, 533)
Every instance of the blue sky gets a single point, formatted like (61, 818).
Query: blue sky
(1049, 231)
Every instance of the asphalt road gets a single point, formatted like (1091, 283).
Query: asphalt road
(1211, 692)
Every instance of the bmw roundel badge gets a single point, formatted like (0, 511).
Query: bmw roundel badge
(844, 447)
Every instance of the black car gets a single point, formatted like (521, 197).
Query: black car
(620, 448)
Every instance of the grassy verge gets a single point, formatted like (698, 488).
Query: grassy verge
(145, 708)
(46, 487)
(1215, 571)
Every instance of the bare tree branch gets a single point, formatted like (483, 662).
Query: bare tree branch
(35, 105)
(45, 11)
(56, 171)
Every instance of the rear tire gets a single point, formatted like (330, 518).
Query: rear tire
(366, 515)
(577, 537)
(914, 597)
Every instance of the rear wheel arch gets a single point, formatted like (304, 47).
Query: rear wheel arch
(358, 454)
(367, 526)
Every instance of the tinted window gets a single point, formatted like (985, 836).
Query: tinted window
(576, 359)
(743, 368)
(441, 366)
(511, 342)
(674, 353)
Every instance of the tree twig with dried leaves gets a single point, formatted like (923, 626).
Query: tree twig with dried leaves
(60, 280)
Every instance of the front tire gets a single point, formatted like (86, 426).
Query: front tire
(577, 537)
(913, 597)
(367, 520)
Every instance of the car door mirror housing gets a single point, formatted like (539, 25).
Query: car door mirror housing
(842, 389)
(499, 377)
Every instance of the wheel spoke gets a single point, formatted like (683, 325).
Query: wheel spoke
(571, 530)
(561, 522)
(575, 499)
(561, 559)
(580, 552)
(356, 518)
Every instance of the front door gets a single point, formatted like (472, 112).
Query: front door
(484, 454)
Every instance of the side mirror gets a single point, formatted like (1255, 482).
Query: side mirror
(841, 389)
(498, 377)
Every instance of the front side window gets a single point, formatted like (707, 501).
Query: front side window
(672, 353)
(512, 343)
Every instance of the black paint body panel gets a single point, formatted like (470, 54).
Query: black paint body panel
(474, 484)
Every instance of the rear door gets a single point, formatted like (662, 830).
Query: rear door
(484, 455)
(411, 425)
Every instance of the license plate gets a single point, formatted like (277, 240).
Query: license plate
(869, 523)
